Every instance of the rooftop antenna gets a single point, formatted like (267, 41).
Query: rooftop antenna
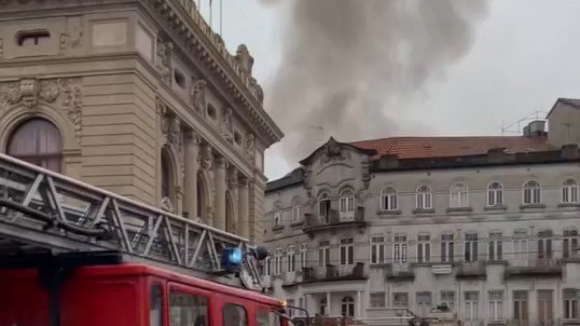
(515, 128)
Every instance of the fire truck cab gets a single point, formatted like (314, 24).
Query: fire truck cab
(127, 295)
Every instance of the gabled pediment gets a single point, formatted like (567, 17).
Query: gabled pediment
(334, 151)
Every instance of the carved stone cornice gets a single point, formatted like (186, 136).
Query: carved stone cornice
(64, 93)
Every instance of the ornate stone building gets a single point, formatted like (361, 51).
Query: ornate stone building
(140, 98)
(488, 226)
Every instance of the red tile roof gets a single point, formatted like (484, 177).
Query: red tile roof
(432, 147)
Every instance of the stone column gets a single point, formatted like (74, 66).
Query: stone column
(220, 194)
(328, 304)
(243, 202)
(358, 313)
(190, 177)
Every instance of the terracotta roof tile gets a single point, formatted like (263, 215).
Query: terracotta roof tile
(431, 147)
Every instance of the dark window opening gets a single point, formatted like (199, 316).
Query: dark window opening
(237, 138)
(37, 142)
(33, 38)
(187, 310)
(179, 78)
(211, 111)
(234, 315)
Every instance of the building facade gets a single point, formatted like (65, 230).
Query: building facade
(485, 225)
(138, 97)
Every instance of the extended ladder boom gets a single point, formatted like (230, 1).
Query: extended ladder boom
(40, 208)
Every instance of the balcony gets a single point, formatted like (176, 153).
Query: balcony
(399, 272)
(471, 270)
(535, 268)
(292, 279)
(330, 273)
(332, 221)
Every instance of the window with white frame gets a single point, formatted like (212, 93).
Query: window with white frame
(389, 199)
(459, 196)
(303, 255)
(400, 300)
(495, 250)
(291, 304)
(323, 304)
(545, 244)
(400, 249)
(347, 251)
(296, 209)
(520, 243)
(377, 250)
(570, 244)
(520, 305)
(378, 300)
(423, 303)
(323, 253)
(447, 248)
(571, 298)
(423, 248)
(266, 266)
(347, 205)
(347, 306)
(448, 299)
(291, 259)
(301, 305)
(471, 306)
(495, 305)
(570, 192)
(494, 194)
(471, 247)
(423, 198)
(324, 207)
(277, 214)
(532, 193)
(278, 261)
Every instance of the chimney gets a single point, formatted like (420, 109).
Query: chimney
(569, 151)
(535, 128)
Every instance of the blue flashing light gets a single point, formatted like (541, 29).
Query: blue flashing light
(232, 257)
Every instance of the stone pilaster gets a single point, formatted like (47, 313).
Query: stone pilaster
(190, 174)
(243, 202)
(220, 194)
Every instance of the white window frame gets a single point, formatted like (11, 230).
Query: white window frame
(471, 305)
(277, 214)
(378, 246)
(447, 247)
(324, 211)
(400, 249)
(570, 243)
(571, 304)
(267, 266)
(459, 196)
(378, 300)
(347, 252)
(346, 205)
(389, 199)
(323, 253)
(471, 245)
(423, 248)
(570, 192)
(495, 247)
(448, 298)
(546, 238)
(296, 210)
(423, 198)
(303, 255)
(424, 301)
(278, 261)
(520, 245)
(347, 304)
(291, 257)
(494, 194)
(496, 305)
(532, 193)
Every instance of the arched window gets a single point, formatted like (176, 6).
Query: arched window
(347, 204)
(348, 306)
(230, 217)
(167, 185)
(532, 193)
(323, 305)
(201, 198)
(38, 142)
(494, 194)
(570, 192)
(423, 197)
(389, 199)
(324, 207)
(277, 214)
(459, 196)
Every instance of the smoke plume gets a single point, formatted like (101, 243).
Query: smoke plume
(344, 61)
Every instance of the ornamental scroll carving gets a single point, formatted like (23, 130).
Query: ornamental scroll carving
(163, 59)
(333, 152)
(73, 37)
(63, 92)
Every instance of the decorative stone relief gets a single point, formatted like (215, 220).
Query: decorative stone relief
(163, 60)
(227, 128)
(257, 90)
(167, 205)
(306, 178)
(66, 93)
(205, 158)
(332, 152)
(244, 59)
(198, 89)
(72, 38)
(249, 147)
(232, 178)
(171, 128)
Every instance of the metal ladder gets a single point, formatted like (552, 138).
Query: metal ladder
(40, 209)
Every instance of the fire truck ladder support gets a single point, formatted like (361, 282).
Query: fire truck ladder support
(40, 209)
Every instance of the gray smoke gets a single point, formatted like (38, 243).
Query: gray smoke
(344, 61)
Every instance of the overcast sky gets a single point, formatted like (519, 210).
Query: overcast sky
(526, 54)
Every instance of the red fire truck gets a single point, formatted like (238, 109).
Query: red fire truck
(75, 255)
